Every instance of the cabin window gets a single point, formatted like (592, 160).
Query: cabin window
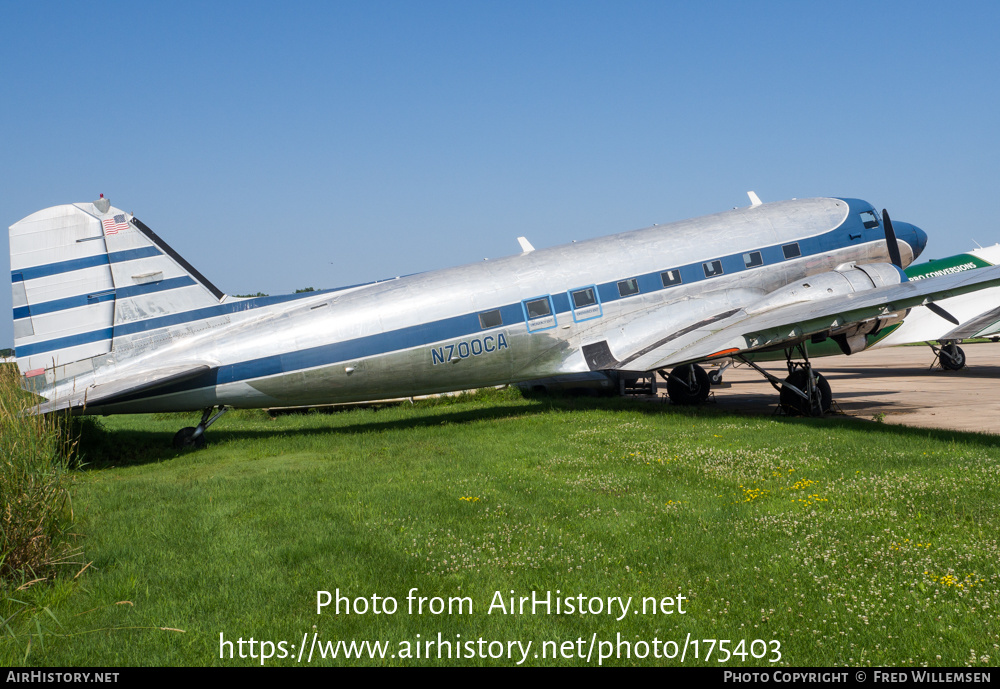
(490, 319)
(791, 250)
(627, 288)
(753, 259)
(538, 313)
(712, 268)
(538, 308)
(585, 303)
(671, 277)
(584, 297)
(869, 219)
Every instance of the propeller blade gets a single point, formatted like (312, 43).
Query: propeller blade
(890, 240)
(941, 312)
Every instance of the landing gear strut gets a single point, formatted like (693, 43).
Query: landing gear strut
(715, 376)
(194, 436)
(804, 391)
(817, 398)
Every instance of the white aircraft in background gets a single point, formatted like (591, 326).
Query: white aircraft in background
(977, 314)
(109, 319)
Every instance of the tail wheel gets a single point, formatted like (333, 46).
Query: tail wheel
(184, 438)
(822, 395)
(688, 385)
(952, 358)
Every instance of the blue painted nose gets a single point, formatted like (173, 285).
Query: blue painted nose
(912, 235)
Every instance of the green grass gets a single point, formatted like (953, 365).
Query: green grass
(35, 506)
(847, 542)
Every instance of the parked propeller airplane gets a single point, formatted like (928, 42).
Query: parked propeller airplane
(109, 319)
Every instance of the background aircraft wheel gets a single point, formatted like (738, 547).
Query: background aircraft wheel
(952, 358)
(183, 439)
(715, 377)
(793, 403)
(688, 385)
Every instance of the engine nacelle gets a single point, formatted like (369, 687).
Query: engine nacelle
(848, 280)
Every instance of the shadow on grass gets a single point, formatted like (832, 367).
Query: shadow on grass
(102, 448)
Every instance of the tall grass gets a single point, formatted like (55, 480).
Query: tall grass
(35, 454)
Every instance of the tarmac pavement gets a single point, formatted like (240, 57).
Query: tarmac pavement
(897, 382)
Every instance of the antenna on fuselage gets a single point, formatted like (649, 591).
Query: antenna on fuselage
(525, 245)
(754, 199)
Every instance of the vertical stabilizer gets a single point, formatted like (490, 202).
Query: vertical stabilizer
(86, 278)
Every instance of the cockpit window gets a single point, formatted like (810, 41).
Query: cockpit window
(869, 219)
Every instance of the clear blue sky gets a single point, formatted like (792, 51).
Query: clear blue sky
(291, 144)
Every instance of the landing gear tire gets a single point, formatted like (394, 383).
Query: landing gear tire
(184, 439)
(793, 403)
(952, 358)
(688, 385)
(715, 377)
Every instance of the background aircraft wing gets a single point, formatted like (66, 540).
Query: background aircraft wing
(729, 333)
(982, 325)
(124, 388)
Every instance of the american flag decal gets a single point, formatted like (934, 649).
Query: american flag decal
(115, 225)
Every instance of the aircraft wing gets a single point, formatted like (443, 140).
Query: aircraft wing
(739, 331)
(982, 325)
(120, 389)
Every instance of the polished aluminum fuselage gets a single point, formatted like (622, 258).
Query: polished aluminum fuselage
(422, 334)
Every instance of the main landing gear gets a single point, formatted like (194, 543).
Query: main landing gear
(804, 392)
(194, 436)
(687, 384)
(949, 355)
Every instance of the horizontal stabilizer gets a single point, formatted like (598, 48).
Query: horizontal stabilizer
(139, 384)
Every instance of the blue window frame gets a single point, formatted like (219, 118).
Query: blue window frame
(539, 313)
(585, 303)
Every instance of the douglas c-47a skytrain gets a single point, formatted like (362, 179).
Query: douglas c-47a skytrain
(109, 319)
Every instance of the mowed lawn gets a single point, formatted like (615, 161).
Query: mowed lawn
(795, 542)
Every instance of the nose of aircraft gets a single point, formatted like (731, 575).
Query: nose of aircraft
(912, 235)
